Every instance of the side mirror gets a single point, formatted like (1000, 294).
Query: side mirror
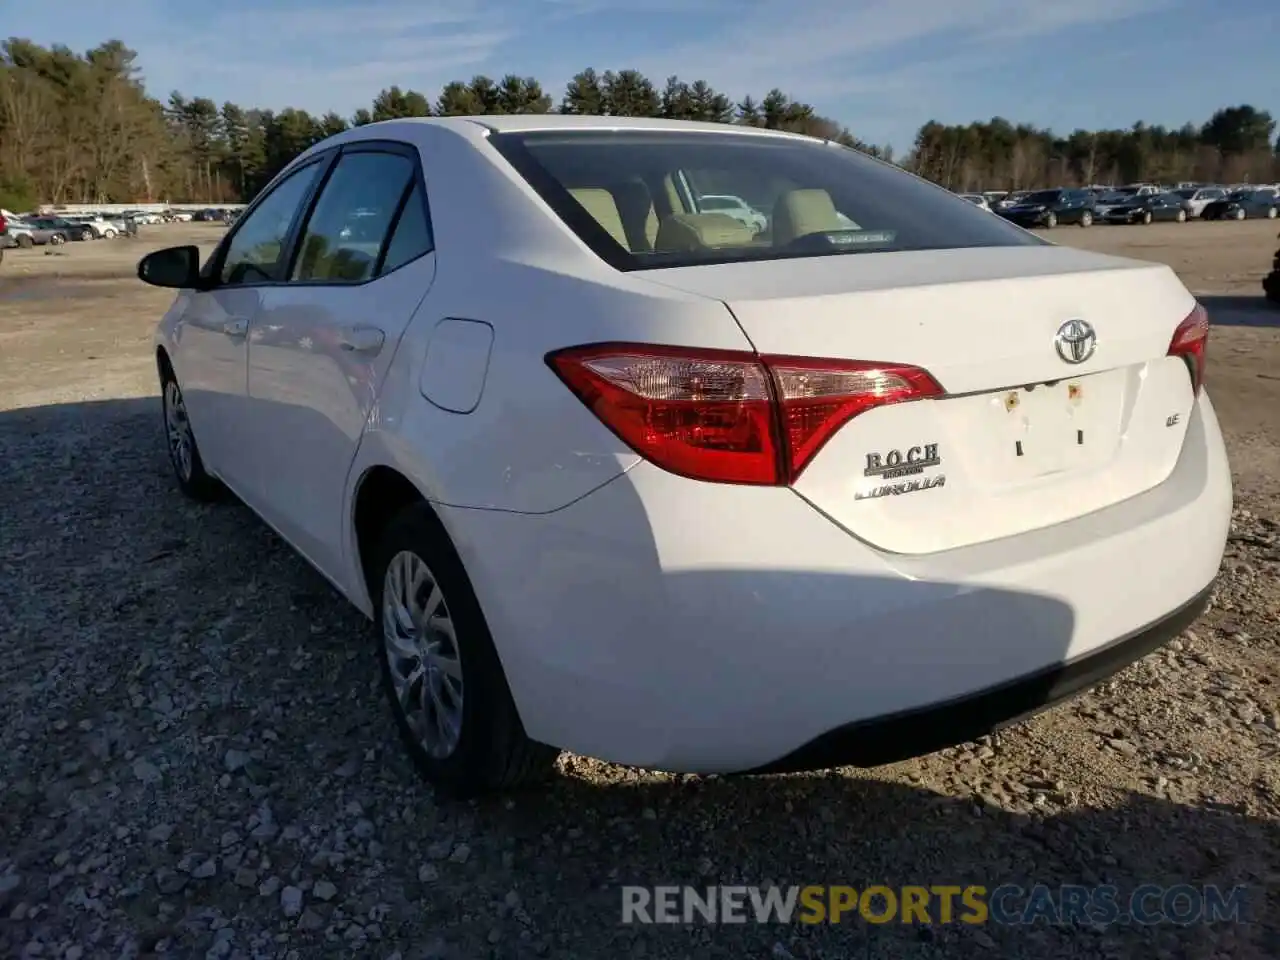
(177, 268)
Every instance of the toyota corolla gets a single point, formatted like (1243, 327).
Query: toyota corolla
(614, 474)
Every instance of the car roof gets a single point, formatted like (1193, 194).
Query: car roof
(530, 122)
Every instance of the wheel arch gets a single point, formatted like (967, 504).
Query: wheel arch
(163, 364)
(379, 493)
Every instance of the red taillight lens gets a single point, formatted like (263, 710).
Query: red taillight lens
(1191, 343)
(818, 397)
(729, 416)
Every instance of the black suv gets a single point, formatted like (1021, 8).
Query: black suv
(1048, 208)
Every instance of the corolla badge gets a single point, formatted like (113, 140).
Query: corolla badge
(1075, 341)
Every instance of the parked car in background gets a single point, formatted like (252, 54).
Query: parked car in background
(98, 226)
(1048, 208)
(142, 217)
(734, 207)
(1197, 198)
(1111, 200)
(1244, 204)
(977, 199)
(1010, 199)
(36, 233)
(1149, 208)
(1138, 189)
(656, 499)
(69, 230)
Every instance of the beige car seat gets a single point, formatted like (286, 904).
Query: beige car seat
(801, 212)
(701, 231)
(599, 203)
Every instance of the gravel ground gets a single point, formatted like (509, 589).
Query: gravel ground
(197, 760)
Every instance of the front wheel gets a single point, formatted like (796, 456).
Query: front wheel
(86, 234)
(1272, 213)
(180, 439)
(1051, 220)
(108, 234)
(440, 670)
(1239, 214)
(25, 241)
(1086, 219)
(1147, 218)
(57, 239)
(1182, 216)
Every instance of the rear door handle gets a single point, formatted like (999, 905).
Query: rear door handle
(235, 328)
(365, 340)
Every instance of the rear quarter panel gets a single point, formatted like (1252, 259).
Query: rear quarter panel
(504, 259)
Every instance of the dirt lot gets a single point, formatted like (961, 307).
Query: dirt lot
(196, 760)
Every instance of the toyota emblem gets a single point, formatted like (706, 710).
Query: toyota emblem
(1075, 341)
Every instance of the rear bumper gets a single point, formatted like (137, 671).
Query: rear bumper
(677, 625)
(869, 743)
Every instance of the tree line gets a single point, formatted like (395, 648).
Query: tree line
(81, 127)
(1235, 145)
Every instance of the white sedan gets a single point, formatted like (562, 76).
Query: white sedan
(977, 199)
(613, 476)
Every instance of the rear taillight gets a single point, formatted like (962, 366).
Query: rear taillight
(725, 415)
(1191, 342)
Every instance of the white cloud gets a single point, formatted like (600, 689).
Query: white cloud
(837, 47)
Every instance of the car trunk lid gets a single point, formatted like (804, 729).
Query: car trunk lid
(1023, 438)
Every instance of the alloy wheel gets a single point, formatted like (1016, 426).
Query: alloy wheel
(178, 431)
(422, 654)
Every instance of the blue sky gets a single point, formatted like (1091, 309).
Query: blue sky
(882, 67)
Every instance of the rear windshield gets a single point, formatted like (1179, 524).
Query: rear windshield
(635, 198)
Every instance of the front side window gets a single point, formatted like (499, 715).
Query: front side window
(256, 252)
(627, 195)
(357, 206)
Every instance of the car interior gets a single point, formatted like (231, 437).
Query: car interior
(644, 220)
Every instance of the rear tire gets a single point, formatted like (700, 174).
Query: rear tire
(1272, 213)
(1239, 214)
(1086, 219)
(108, 234)
(1147, 218)
(180, 441)
(1051, 220)
(25, 241)
(440, 669)
(86, 234)
(1182, 216)
(57, 239)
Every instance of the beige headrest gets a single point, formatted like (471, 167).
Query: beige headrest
(801, 212)
(604, 210)
(699, 231)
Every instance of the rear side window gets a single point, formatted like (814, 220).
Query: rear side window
(352, 218)
(412, 235)
(634, 197)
